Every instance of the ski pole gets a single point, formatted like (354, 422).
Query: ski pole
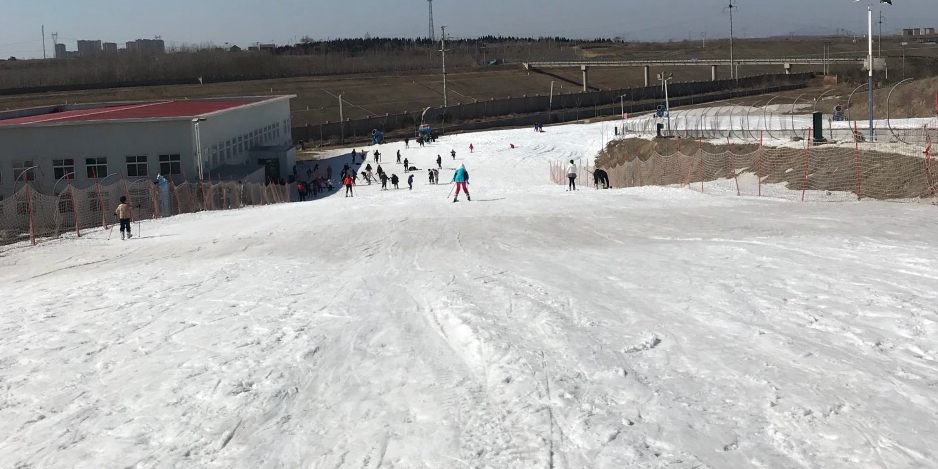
(451, 191)
(109, 232)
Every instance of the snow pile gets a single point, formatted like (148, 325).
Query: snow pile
(531, 327)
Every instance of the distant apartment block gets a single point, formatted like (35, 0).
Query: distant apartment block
(915, 32)
(109, 48)
(89, 48)
(146, 46)
(60, 51)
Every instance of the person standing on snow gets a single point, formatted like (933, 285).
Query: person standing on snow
(124, 214)
(406, 145)
(436, 176)
(453, 153)
(384, 181)
(398, 157)
(471, 148)
(461, 178)
(395, 180)
(410, 182)
(571, 174)
(406, 164)
(348, 181)
(439, 161)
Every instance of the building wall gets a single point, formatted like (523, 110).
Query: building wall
(115, 141)
(89, 48)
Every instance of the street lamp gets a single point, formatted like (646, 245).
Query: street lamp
(665, 78)
(198, 142)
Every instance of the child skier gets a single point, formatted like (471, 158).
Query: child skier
(123, 213)
(461, 178)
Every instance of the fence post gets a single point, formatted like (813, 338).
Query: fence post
(701, 162)
(856, 140)
(760, 163)
(97, 189)
(732, 163)
(29, 209)
(928, 178)
(71, 191)
(807, 152)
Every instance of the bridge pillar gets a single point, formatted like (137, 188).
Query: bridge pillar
(713, 73)
(584, 68)
(647, 75)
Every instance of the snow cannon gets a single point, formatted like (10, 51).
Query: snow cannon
(377, 137)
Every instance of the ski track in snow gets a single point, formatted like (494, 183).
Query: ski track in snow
(529, 328)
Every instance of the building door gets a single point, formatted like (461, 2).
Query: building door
(271, 168)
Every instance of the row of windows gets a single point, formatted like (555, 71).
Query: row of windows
(97, 168)
(224, 152)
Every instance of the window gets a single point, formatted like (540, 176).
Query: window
(170, 164)
(240, 144)
(96, 168)
(214, 159)
(20, 167)
(62, 168)
(137, 166)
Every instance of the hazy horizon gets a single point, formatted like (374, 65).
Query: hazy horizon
(245, 22)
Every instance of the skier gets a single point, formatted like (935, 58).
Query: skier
(410, 182)
(368, 167)
(329, 172)
(461, 178)
(123, 213)
(406, 164)
(406, 144)
(439, 161)
(430, 175)
(348, 181)
(353, 155)
(377, 156)
(368, 176)
(380, 171)
(398, 157)
(571, 174)
(384, 181)
(309, 173)
(436, 176)
(301, 190)
(453, 152)
(471, 148)
(395, 180)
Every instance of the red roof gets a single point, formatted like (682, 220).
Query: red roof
(163, 109)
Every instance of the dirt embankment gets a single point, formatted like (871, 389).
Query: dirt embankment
(875, 174)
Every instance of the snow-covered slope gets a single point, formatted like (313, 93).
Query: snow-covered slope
(531, 327)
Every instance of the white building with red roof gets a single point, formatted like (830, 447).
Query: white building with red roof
(180, 139)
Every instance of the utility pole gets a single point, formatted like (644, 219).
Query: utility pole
(870, 37)
(665, 78)
(43, 42)
(704, 40)
(443, 50)
(733, 73)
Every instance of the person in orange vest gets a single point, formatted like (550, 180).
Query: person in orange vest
(348, 181)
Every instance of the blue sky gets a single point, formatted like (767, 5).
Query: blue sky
(244, 22)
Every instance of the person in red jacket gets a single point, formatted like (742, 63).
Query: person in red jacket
(348, 186)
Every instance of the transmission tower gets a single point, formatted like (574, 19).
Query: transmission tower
(432, 32)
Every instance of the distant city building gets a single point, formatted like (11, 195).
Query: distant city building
(146, 46)
(109, 48)
(60, 51)
(915, 32)
(89, 48)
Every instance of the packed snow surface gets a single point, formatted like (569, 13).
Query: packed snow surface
(529, 328)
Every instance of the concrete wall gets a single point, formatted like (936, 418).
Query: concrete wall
(114, 141)
(538, 104)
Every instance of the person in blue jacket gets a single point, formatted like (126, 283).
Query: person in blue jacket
(461, 178)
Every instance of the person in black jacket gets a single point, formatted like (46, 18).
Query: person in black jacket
(395, 180)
